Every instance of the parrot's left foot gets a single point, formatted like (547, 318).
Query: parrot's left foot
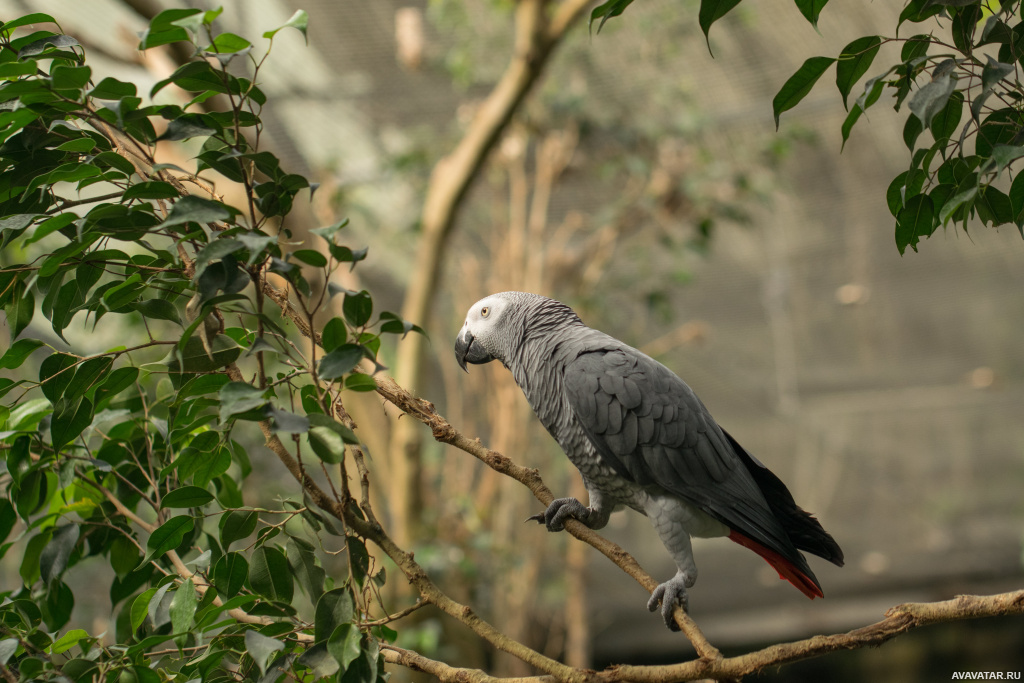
(560, 510)
(670, 594)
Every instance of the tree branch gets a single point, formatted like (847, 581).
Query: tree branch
(535, 39)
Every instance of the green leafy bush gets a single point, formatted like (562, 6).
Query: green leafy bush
(130, 456)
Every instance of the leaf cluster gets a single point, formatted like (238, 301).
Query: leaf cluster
(131, 455)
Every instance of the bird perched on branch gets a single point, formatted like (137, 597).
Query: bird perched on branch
(641, 438)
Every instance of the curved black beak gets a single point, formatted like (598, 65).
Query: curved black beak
(462, 345)
(466, 351)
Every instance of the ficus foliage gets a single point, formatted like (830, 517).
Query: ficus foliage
(957, 72)
(131, 457)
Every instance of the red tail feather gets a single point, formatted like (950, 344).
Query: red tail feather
(784, 567)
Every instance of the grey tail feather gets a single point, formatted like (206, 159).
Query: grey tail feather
(804, 530)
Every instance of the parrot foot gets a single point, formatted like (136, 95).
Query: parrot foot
(560, 510)
(670, 594)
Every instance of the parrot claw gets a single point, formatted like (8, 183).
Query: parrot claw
(560, 510)
(670, 594)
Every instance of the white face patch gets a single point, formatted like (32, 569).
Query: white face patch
(483, 314)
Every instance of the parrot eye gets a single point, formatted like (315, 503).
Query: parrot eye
(485, 311)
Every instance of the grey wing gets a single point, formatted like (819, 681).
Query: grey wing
(653, 430)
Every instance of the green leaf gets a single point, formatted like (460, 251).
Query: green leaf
(18, 352)
(799, 84)
(932, 97)
(912, 129)
(69, 419)
(360, 382)
(216, 250)
(25, 20)
(915, 220)
(88, 374)
(54, 558)
(945, 123)
(68, 641)
(311, 257)
(357, 308)
(124, 556)
(236, 525)
(186, 497)
(70, 77)
(151, 189)
(269, 575)
(230, 573)
(228, 44)
(193, 357)
(335, 607)
(261, 648)
(302, 560)
(344, 644)
(49, 226)
(189, 126)
(952, 204)
(239, 397)
(169, 536)
(1002, 156)
(157, 309)
(112, 89)
(334, 334)
(340, 361)
(20, 309)
(183, 607)
(994, 207)
(285, 421)
(317, 659)
(42, 45)
(811, 9)
(710, 12)
(1017, 201)
(607, 10)
(854, 61)
(193, 209)
(299, 21)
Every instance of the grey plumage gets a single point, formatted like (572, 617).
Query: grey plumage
(641, 438)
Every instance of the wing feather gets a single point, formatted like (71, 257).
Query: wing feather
(650, 427)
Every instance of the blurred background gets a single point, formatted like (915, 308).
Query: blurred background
(642, 181)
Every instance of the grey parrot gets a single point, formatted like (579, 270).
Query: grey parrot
(642, 439)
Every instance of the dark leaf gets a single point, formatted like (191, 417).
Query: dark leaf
(239, 397)
(284, 421)
(186, 497)
(261, 648)
(607, 10)
(18, 352)
(40, 46)
(269, 575)
(236, 525)
(340, 361)
(334, 334)
(169, 535)
(915, 220)
(799, 84)
(854, 61)
(193, 209)
(710, 12)
(152, 189)
(357, 307)
(931, 98)
(360, 382)
(69, 419)
(157, 309)
(230, 573)
(811, 9)
(344, 644)
(335, 607)
(54, 558)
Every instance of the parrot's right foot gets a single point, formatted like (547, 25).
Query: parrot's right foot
(560, 510)
(670, 594)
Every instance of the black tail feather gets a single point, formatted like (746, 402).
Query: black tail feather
(804, 530)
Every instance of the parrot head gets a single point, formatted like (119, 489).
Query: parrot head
(478, 341)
